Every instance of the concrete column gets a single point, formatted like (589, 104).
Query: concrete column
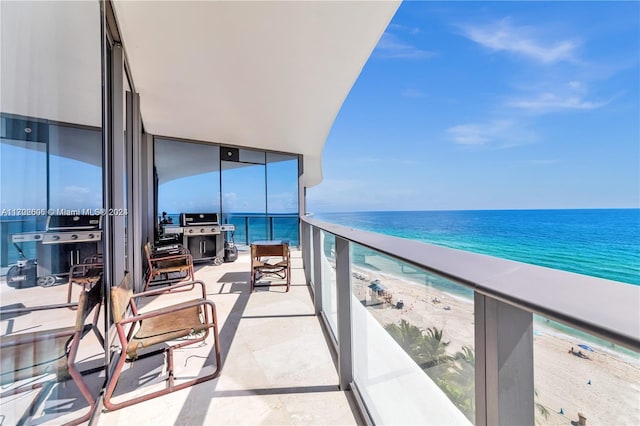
(306, 250)
(504, 363)
(343, 284)
(115, 174)
(317, 269)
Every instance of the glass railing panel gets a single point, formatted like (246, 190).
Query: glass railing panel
(581, 378)
(242, 224)
(329, 289)
(284, 227)
(51, 185)
(257, 228)
(413, 342)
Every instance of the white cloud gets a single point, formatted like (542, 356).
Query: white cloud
(359, 195)
(575, 85)
(413, 93)
(502, 36)
(410, 30)
(544, 162)
(390, 46)
(550, 102)
(73, 190)
(479, 133)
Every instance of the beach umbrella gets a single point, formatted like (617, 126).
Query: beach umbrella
(588, 348)
(376, 286)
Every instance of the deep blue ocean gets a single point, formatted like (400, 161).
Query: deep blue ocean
(603, 243)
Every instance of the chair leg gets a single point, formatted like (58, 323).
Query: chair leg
(288, 277)
(171, 387)
(113, 381)
(69, 290)
(149, 278)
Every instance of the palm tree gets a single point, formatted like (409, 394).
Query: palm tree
(544, 411)
(459, 381)
(434, 349)
(453, 374)
(408, 336)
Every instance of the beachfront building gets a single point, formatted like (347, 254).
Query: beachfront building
(113, 113)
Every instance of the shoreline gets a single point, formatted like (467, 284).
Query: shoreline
(605, 387)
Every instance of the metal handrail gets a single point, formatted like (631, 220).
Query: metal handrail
(604, 308)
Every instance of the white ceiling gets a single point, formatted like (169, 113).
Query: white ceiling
(271, 75)
(50, 60)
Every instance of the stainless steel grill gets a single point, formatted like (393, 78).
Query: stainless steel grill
(66, 241)
(72, 229)
(201, 234)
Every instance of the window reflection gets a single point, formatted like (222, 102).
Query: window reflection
(18, 148)
(282, 197)
(50, 158)
(188, 178)
(75, 168)
(244, 199)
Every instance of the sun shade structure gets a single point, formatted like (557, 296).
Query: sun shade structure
(271, 75)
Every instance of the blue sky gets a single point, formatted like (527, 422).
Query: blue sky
(504, 105)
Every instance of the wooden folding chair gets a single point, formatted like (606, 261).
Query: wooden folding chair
(138, 332)
(270, 260)
(85, 274)
(40, 352)
(180, 263)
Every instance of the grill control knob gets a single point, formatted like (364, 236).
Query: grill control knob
(55, 237)
(91, 236)
(202, 230)
(191, 231)
(37, 237)
(74, 237)
(213, 229)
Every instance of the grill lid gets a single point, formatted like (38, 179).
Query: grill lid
(197, 219)
(73, 222)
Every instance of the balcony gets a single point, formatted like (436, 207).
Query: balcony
(285, 364)
(277, 366)
(375, 329)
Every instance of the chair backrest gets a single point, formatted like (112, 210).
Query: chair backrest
(147, 251)
(258, 250)
(120, 297)
(86, 302)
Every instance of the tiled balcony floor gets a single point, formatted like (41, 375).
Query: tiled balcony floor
(277, 368)
(276, 365)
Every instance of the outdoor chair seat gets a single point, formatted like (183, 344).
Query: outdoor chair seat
(36, 353)
(85, 274)
(161, 265)
(164, 327)
(270, 259)
(158, 329)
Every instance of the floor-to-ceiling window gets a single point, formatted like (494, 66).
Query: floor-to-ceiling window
(188, 178)
(51, 196)
(257, 191)
(244, 202)
(282, 197)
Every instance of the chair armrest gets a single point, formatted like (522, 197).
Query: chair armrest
(37, 308)
(172, 257)
(35, 336)
(84, 267)
(179, 250)
(168, 289)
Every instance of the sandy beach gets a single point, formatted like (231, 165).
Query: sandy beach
(605, 388)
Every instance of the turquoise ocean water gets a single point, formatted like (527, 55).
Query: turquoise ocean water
(603, 243)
